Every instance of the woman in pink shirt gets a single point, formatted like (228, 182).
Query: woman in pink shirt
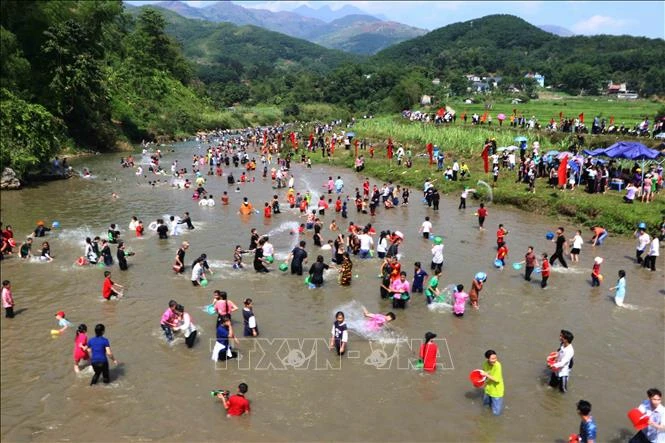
(459, 299)
(223, 306)
(400, 289)
(7, 299)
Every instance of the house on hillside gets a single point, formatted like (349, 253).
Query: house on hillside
(472, 77)
(616, 88)
(494, 80)
(436, 82)
(540, 79)
(479, 87)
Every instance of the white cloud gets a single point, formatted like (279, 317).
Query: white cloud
(600, 24)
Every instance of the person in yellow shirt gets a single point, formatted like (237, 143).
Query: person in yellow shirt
(494, 386)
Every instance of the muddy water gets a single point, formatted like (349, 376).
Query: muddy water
(299, 391)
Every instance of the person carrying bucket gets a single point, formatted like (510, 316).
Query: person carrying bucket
(494, 387)
(564, 362)
(649, 419)
(588, 429)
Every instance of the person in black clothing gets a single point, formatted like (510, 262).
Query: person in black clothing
(113, 234)
(162, 229)
(298, 256)
(393, 248)
(179, 265)
(253, 240)
(41, 230)
(316, 272)
(560, 243)
(187, 220)
(122, 256)
(435, 199)
(259, 261)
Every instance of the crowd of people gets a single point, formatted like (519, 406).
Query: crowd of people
(261, 156)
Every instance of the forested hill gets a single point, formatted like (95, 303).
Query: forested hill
(509, 46)
(210, 43)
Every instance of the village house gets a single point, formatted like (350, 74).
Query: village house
(540, 79)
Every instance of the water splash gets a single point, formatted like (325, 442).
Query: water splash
(363, 327)
(312, 192)
(292, 228)
(444, 302)
(489, 190)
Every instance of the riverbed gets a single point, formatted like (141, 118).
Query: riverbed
(298, 389)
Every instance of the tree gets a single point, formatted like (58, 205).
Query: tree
(579, 78)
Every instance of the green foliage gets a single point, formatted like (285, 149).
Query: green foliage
(14, 68)
(30, 134)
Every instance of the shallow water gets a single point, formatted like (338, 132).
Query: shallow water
(298, 389)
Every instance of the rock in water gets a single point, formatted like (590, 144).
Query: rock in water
(9, 180)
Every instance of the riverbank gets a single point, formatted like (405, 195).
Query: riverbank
(575, 206)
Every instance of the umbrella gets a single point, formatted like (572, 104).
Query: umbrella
(507, 148)
(350, 134)
(521, 138)
(660, 135)
(630, 151)
(594, 152)
(501, 116)
(565, 154)
(551, 153)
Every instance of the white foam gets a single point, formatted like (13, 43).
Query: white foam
(361, 326)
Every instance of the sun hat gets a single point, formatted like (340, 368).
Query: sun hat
(60, 314)
(598, 260)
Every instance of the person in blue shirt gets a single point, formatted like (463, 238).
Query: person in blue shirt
(418, 278)
(222, 349)
(588, 424)
(100, 349)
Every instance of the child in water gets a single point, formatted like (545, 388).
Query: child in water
(339, 334)
(62, 322)
(620, 288)
(377, 321)
(237, 257)
(432, 290)
(459, 297)
(80, 346)
(595, 272)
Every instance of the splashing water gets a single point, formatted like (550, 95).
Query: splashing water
(314, 194)
(444, 302)
(489, 189)
(364, 327)
(77, 236)
(291, 227)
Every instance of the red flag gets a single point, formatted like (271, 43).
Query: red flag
(560, 116)
(265, 137)
(355, 145)
(279, 139)
(332, 146)
(484, 117)
(440, 112)
(430, 150)
(581, 117)
(311, 140)
(611, 120)
(486, 158)
(563, 171)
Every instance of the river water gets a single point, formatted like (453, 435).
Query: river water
(298, 389)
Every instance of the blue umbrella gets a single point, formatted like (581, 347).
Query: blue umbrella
(350, 134)
(551, 153)
(521, 138)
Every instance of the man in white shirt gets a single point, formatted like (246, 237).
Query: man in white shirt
(211, 201)
(564, 362)
(654, 252)
(426, 228)
(366, 244)
(643, 241)
(654, 409)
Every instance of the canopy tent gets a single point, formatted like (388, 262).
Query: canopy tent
(629, 151)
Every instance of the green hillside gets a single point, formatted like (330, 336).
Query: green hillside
(510, 46)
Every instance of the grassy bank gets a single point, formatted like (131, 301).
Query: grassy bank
(577, 207)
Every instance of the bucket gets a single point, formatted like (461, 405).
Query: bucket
(283, 267)
(549, 235)
(204, 283)
(210, 309)
(638, 418)
(498, 263)
(551, 358)
(477, 379)
(517, 266)
(573, 438)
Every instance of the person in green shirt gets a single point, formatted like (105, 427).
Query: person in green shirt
(432, 290)
(494, 386)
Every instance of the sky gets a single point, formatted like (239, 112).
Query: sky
(637, 18)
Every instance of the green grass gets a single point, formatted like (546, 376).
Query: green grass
(627, 112)
(465, 144)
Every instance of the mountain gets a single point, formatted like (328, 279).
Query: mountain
(339, 29)
(327, 14)
(557, 30)
(365, 34)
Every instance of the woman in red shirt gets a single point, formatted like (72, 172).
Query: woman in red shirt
(544, 271)
(428, 352)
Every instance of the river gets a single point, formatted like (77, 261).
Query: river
(298, 390)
